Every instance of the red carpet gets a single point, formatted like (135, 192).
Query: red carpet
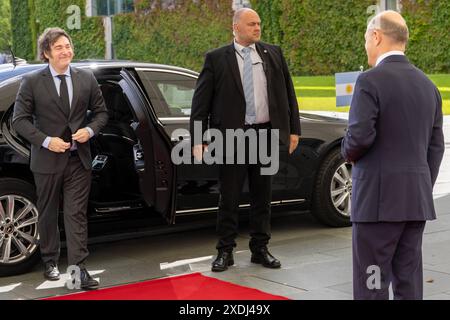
(187, 287)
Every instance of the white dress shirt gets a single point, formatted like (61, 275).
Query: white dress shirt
(259, 81)
(58, 82)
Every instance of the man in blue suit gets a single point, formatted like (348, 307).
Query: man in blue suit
(396, 143)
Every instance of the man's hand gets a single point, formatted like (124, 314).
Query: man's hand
(294, 143)
(58, 145)
(198, 150)
(81, 136)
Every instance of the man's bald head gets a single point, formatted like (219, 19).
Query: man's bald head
(386, 32)
(240, 12)
(392, 24)
(246, 26)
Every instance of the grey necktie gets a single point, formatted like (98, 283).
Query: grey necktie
(250, 112)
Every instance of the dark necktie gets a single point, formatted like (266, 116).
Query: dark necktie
(64, 95)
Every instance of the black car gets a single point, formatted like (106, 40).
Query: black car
(132, 168)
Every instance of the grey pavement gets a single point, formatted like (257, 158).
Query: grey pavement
(316, 260)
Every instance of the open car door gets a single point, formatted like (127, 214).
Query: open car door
(153, 164)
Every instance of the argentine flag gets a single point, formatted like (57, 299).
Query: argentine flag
(345, 85)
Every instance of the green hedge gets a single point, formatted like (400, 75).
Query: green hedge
(30, 18)
(429, 45)
(270, 13)
(5, 24)
(179, 37)
(319, 37)
(22, 39)
(88, 40)
(322, 37)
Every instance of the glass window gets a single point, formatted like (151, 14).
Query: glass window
(111, 7)
(170, 93)
(390, 5)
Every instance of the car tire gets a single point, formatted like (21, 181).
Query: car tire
(333, 184)
(18, 231)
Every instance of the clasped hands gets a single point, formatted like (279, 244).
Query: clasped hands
(58, 145)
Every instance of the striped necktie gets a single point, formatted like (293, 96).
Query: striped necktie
(250, 112)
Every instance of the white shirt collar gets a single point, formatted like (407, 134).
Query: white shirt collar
(388, 54)
(239, 47)
(55, 74)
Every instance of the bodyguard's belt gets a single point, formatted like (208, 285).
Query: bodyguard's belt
(258, 126)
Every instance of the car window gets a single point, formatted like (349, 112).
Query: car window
(170, 93)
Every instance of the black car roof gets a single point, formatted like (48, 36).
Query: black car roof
(9, 71)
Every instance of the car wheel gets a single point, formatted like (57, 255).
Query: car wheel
(19, 237)
(332, 192)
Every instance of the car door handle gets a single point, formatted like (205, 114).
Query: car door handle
(181, 137)
(139, 162)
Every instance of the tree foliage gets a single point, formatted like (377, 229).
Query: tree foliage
(318, 37)
(179, 36)
(326, 36)
(5, 24)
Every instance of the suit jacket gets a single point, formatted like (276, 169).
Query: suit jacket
(396, 140)
(219, 100)
(38, 113)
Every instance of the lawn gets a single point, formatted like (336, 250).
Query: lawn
(318, 93)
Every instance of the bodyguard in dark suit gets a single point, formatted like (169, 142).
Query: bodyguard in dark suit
(245, 85)
(51, 113)
(396, 142)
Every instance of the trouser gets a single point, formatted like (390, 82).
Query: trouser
(385, 253)
(73, 184)
(231, 180)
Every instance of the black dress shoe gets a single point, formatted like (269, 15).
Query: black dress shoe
(87, 282)
(223, 261)
(263, 256)
(51, 271)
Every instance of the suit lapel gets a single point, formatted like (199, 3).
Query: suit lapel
(51, 88)
(232, 61)
(76, 89)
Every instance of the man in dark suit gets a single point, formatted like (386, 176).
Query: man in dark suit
(245, 85)
(51, 113)
(396, 143)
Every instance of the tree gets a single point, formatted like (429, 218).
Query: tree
(5, 24)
